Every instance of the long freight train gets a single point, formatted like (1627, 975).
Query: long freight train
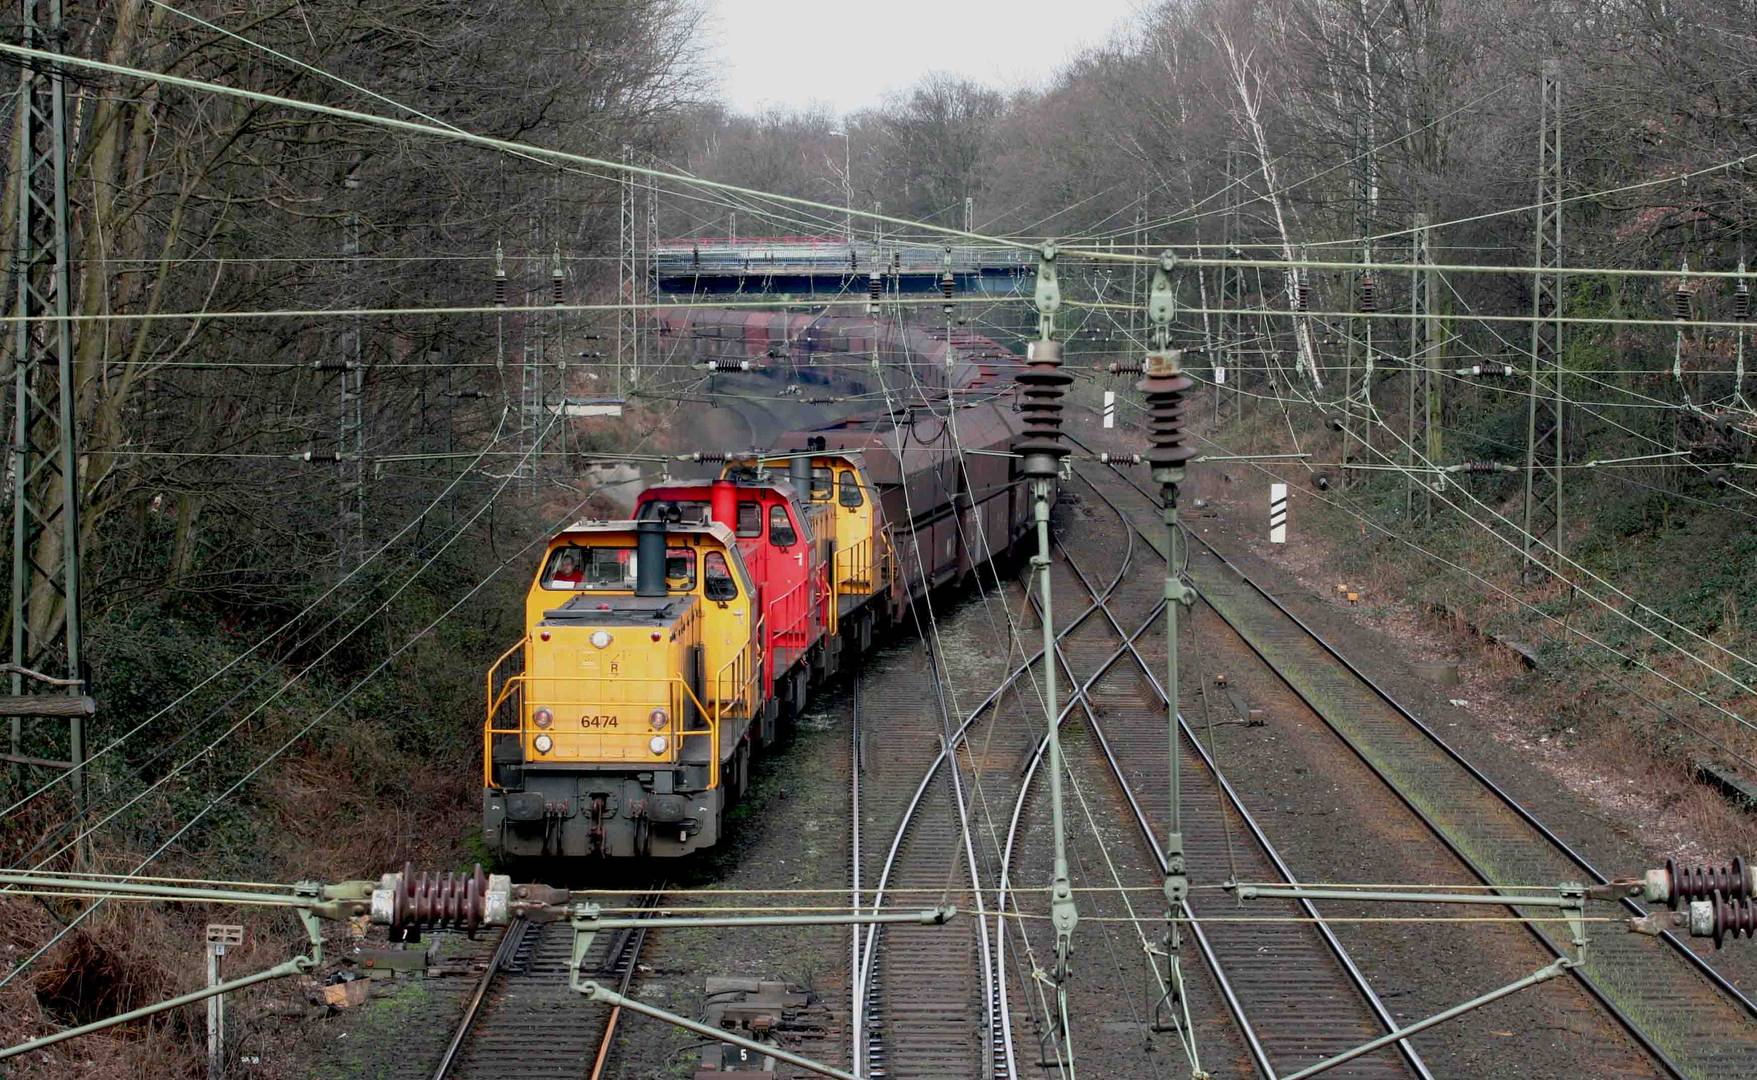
(662, 653)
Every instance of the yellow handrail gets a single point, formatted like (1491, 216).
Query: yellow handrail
(509, 696)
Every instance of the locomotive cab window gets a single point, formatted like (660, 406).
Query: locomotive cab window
(750, 520)
(596, 568)
(851, 494)
(822, 481)
(680, 569)
(781, 532)
(717, 582)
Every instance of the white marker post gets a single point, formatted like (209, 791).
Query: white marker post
(1110, 408)
(1278, 513)
(219, 935)
(1219, 374)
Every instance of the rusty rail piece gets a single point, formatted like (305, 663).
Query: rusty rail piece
(523, 1018)
(1689, 1017)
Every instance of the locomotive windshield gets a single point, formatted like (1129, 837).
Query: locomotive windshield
(600, 569)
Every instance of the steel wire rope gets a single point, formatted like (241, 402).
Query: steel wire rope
(1077, 697)
(1716, 706)
(1015, 639)
(540, 538)
(293, 740)
(567, 157)
(452, 537)
(1431, 467)
(270, 757)
(413, 523)
(932, 638)
(1587, 593)
(1082, 698)
(1589, 377)
(1520, 602)
(323, 73)
(1562, 558)
(1194, 212)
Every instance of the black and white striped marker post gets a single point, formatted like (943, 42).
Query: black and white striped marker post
(1110, 408)
(1278, 513)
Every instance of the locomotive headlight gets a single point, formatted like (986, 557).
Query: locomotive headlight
(542, 718)
(543, 743)
(659, 718)
(657, 744)
(601, 638)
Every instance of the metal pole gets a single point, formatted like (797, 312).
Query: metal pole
(1543, 425)
(219, 935)
(1041, 449)
(1431, 344)
(1163, 385)
(1420, 375)
(45, 463)
(1394, 896)
(856, 989)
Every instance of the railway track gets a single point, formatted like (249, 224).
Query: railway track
(1691, 1020)
(919, 996)
(920, 993)
(523, 1022)
(1258, 969)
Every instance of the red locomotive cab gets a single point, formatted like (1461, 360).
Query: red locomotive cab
(776, 541)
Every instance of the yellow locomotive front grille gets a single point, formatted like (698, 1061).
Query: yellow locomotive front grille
(575, 703)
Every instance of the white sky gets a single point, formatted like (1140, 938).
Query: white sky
(848, 54)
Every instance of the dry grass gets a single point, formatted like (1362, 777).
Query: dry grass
(1594, 727)
(351, 809)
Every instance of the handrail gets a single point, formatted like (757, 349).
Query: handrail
(672, 692)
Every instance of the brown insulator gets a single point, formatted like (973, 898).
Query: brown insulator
(947, 284)
(1681, 304)
(500, 288)
(1302, 297)
(1124, 367)
(1369, 294)
(1043, 384)
(1742, 302)
(555, 283)
(1686, 883)
(449, 901)
(875, 284)
(1163, 385)
(1733, 918)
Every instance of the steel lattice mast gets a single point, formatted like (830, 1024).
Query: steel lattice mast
(1542, 522)
(44, 466)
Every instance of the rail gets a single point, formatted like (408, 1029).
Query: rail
(1589, 979)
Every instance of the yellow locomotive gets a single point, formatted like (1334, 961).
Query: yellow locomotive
(661, 654)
